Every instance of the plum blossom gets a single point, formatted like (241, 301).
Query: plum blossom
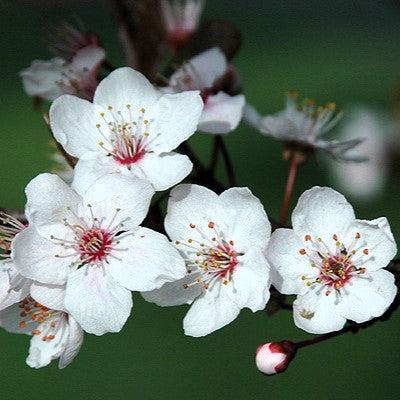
(13, 286)
(333, 262)
(222, 239)
(301, 126)
(181, 18)
(54, 333)
(48, 80)
(273, 358)
(205, 72)
(364, 180)
(130, 129)
(94, 245)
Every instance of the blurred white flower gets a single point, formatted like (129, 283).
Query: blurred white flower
(222, 112)
(181, 18)
(130, 128)
(51, 79)
(333, 262)
(364, 180)
(222, 239)
(55, 334)
(300, 126)
(94, 245)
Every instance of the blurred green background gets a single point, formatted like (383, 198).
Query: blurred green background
(346, 51)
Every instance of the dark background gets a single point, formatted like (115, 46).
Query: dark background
(345, 51)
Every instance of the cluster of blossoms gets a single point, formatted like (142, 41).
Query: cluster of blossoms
(71, 263)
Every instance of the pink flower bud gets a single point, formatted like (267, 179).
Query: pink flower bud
(273, 358)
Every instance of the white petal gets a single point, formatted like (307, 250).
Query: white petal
(73, 122)
(41, 352)
(87, 58)
(149, 261)
(222, 113)
(283, 254)
(176, 117)
(377, 237)
(40, 79)
(73, 343)
(89, 169)
(210, 312)
(18, 287)
(317, 313)
(51, 296)
(165, 170)
(250, 281)
(4, 280)
(125, 86)
(96, 301)
(35, 258)
(204, 69)
(245, 215)
(130, 195)
(369, 298)
(48, 199)
(190, 204)
(322, 212)
(174, 293)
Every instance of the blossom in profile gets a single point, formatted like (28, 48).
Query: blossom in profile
(13, 286)
(274, 358)
(205, 72)
(130, 129)
(364, 180)
(180, 18)
(54, 333)
(94, 245)
(48, 80)
(301, 126)
(333, 262)
(222, 238)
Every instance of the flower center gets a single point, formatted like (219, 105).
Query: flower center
(335, 268)
(215, 258)
(44, 322)
(9, 228)
(92, 242)
(125, 140)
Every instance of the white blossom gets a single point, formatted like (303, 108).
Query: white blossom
(222, 112)
(55, 333)
(50, 79)
(222, 239)
(130, 129)
(333, 262)
(93, 244)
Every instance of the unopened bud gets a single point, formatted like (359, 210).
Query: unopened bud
(273, 358)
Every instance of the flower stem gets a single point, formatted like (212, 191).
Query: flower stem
(294, 164)
(227, 160)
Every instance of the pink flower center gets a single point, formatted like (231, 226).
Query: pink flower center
(95, 245)
(126, 139)
(215, 259)
(335, 268)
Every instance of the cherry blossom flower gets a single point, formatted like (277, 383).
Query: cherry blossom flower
(55, 333)
(222, 239)
(50, 79)
(13, 286)
(273, 358)
(333, 262)
(364, 180)
(301, 126)
(181, 18)
(222, 112)
(130, 128)
(94, 245)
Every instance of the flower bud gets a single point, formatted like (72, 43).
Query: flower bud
(273, 358)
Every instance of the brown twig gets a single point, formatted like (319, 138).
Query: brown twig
(294, 164)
